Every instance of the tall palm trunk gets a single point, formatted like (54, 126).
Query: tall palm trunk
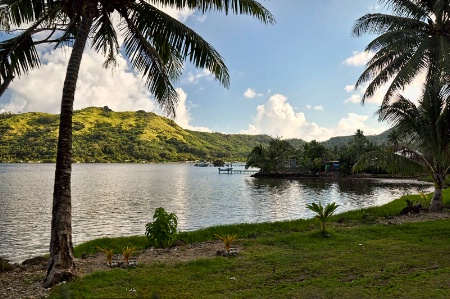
(61, 264)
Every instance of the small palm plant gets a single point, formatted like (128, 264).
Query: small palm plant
(127, 251)
(227, 240)
(323, 213)
(109, 253)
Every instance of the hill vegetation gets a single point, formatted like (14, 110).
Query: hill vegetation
(102, 135)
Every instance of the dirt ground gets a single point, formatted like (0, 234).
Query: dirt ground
(25, 281)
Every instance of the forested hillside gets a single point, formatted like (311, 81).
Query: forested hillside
(102, 135)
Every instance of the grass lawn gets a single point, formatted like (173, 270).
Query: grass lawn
(292, 260)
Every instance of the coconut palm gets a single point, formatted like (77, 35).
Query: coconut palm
(426, 128)
(415, 38)
(272, 157)
(323, 214)
(155, 44)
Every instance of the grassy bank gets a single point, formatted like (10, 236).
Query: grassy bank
(292, 260)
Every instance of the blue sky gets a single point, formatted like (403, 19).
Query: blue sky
(293, 79)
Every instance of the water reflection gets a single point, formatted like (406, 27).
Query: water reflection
(119, 199)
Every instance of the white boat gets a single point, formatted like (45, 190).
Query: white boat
(227, 169)
(202, 164)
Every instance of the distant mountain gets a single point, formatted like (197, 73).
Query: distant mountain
(344, 140)
(102, 135)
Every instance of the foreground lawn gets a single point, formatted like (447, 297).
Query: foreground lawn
(292, 260)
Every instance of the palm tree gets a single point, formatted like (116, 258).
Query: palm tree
(272, 157)
(426, 128)
(415, 38)
(155, 44)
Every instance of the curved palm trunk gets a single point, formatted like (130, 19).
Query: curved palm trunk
(436, 200)
(61, 264)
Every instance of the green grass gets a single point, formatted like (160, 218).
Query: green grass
(292, 260)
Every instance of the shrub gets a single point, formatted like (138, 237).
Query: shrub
(127, 251)
(227, 240)
(109, 253)
(163, 230)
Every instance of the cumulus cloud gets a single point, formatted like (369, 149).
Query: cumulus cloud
(276, 117)
(251, 93)
(41, 90)
(359, 58)
(183, 116)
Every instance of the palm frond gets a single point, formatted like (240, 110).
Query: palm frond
(146, 60)
(168, 35)
(390, 162)
(105, 39)
(17, 12)
(245, 7)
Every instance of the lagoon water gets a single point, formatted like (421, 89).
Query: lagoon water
(119, 199)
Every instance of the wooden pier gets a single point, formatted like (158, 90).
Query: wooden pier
(239, 171)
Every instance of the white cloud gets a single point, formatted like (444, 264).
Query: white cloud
(412, 91)
(251, 93)
(359, 58)
(197, 75)
(276, 117)
(349, 88)
(181, 15)
(354, 98)
(349, 124)
(183, 117)
(41, 90)
(317, 107)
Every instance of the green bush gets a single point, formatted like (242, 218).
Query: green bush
(163, 230)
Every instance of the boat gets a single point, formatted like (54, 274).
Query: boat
(202, 164)
(225, 168)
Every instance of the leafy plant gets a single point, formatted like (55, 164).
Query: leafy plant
(227, 240)
(109, 253)
(163, 230)
(127, 251)
(323, 213)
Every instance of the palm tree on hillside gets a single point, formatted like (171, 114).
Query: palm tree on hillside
(415, 38)
(425, 127)
(155, 44)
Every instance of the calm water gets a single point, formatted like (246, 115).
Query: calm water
(119, 199)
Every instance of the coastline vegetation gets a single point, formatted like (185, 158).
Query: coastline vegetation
(365, 257)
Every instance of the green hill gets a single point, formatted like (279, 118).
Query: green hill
(102, 135)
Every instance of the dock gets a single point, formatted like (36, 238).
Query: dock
(238, 171)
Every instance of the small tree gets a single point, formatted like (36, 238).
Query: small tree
(162, 231)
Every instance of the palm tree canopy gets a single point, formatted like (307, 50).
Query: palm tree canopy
(155, 43)
(425, 126)
(415, 38)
